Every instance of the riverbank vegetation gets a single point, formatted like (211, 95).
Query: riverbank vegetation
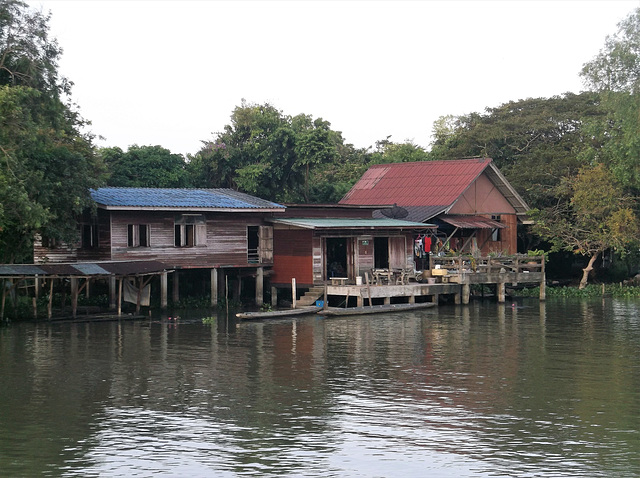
(574, 157)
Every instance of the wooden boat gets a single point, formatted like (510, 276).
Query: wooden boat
(375, 309)
(271, 314)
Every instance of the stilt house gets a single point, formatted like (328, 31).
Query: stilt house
(219, 231)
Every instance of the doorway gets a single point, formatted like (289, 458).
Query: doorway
(337, 265)
(381, 253)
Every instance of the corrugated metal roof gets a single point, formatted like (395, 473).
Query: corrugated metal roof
(346, 223)
(179, 198)
(424, 183)
(82, 268)
(471, 222)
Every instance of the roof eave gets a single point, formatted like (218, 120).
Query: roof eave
(191, 208)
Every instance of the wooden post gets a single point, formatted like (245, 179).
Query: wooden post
(139, 295)
(163, 290)
(501, 291)
(543, 281)
(50, 304)
(214, 287)
(120, 295)
(325, 304)
(366, 278)
(36, 286)
(112, 292)
(260, 286)
(74, 296)
(293, 291)
(4, 299)
(466, 293)
(274, 296)
(176, 287)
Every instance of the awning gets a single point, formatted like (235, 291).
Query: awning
(471, 222)
(352, 223)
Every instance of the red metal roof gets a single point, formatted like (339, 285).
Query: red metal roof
(424, 183)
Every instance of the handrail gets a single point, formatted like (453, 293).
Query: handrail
(489, 264)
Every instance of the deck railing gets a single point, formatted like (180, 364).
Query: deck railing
(488, 264)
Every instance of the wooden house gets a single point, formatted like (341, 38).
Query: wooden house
(315, 243)
(220, 230)
(470, 201)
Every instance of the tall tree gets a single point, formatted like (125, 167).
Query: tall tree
(267, 153)
(47, 165)
(593, 214)
(615, 73)
(535, 142)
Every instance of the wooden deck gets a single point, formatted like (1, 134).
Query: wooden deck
(454, 276)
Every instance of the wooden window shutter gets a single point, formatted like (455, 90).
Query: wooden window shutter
(201, 234)
(266, 244)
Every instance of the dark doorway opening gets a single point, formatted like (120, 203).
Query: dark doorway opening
(337, 257)
(381, 252)
(253, 241)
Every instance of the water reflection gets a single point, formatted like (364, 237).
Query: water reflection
(522, 389)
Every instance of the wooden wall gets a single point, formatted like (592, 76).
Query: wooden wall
(226, 240)
(294, 252)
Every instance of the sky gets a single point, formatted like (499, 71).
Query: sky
(170, 73)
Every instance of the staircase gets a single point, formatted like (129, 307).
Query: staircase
(310, 297)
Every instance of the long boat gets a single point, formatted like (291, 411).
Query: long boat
(374, 309)
(270, 314)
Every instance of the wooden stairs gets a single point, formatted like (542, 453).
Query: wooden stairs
(310, 297)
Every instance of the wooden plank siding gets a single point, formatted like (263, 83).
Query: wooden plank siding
(296, 252)
(221, 241)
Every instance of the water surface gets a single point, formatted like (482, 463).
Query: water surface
(524, 389)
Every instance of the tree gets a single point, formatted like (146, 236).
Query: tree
(535, 142)
(144, 166)
(592, 215)
(615, 74)
(267, 153)
(28, 57)
(47, 166)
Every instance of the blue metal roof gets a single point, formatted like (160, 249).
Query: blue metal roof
(179, 198)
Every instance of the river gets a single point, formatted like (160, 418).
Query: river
(520, 390)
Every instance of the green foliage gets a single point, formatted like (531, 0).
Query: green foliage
(545, 134)
(47, 166)
(144, 166)
(616, 291)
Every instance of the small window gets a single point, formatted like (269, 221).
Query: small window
(138, 235)
(190, 230)
(495, 234)
(89, 236)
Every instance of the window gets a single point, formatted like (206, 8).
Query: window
(190, 230)
(495, 234)
(89, 237)
(138, 235)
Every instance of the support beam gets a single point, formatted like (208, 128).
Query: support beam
(120, 295)
(163, 290)
(214, 287)
(74, 296)
(176, 287)
(501, 288)
(274, 296)
(260, 286)
(112, 292)
(466, 293)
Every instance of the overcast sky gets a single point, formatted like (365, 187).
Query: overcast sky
(170, 73)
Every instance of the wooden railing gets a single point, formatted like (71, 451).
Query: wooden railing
(488, 264)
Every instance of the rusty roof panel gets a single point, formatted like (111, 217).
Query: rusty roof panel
(424, 183)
